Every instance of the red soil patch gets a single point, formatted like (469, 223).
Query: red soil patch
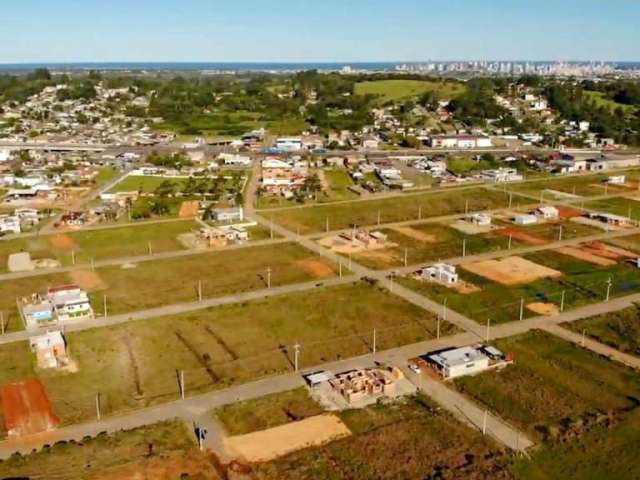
(522, 236)
(87, 280)
(189, 209)
(586, 256)
(62, 242)
(315, 268)
(568, 213)
(26, 408)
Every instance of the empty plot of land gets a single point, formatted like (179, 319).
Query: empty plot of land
(277, 441)
(133, 365)
(511, 270)
(396, 209)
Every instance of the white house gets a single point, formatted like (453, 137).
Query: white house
(227, 215)
(70, 302)
(481, 219)
(525, 219)
(5, 155)
(547, 212)
(440, 272)
(9, 224)
(461, 361)
(235, 160)
(289, 144)
(460, 141)
(616, 180)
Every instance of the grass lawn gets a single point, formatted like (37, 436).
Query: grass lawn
(601, 100)
(582, 282)
(626, 207)
(145, 184)
(134, 365)
(339, 182)
(555, 390)
(105, 175)
(268, 412)
(620, 330)
(71, 460)
(100, 244)
(394, 90)
(409, 439)
(164, 282)
(399, 208)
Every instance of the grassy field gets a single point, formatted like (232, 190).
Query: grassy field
(105, 175)
(268, 412)
(100, 244)
(134, 365)
(555, 390)
(396, 209)
(145, 184)
(581, 185)
(600, 99)
(582, 282)
(602, 454)
(394, 90)
(626, 207)
(163, 282)
(620, 330)
(100, 455)
(409, 439)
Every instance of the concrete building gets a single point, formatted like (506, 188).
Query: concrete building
(481, 219)
(226, 215)
(440, 272)
(70, 302)
(525, 219)
(462, 361)
(547, 213)
(289, 144)
(50, 349)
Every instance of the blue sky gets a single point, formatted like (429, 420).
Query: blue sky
(318, 30)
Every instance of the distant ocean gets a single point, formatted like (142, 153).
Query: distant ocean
(243, 67)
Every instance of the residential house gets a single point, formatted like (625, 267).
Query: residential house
(547, 212)
(440, 272)
(50, 349)
(469, 360)
(226, 215)
(70, 302)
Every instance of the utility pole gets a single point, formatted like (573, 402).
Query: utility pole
(98, 413)
(562, 302)
(374, 341)
(438, 328)
(2, 321)
(199, 290)
(609, 282)
(104, 301)
(560, 234)
(296, 350)
(584, 333)
(510, 235)
(326, 224)
(510, 199)
(420, 212)
(466, 207)
(464, 247)
(271, 228)
(182, 391)
(521, 308)
(484, 422)
(269, 277)
(73, 257)
(406, 256)
(149, 247)
(340, 268)
(378, 217)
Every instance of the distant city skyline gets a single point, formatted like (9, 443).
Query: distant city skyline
(329, 31)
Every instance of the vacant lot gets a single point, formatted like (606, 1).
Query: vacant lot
(555, 390)
(603, 453)
(396, 209)
(392, 90)
(135, 364)
(145, 183)
(142, 449)
(626, 207)
(581, 185)
(155, 283)
(410, 439)
(582, 282)
(425, 243)
(100, 244)
(268, 412)
(620, 330)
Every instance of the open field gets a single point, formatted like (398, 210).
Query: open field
(409, 439)
(134, 364)
(150, 284)
(154, 449)
(392, 90)
(604, 453)
(425, 243)
(582, 282)
(620, 330)
(145, 184)
(100, 244)
(625, 207)
(268, 412)
(581, 185)
(555, 390)
(600, 99)
(396, 209)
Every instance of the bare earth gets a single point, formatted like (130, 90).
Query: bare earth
(586, 256)
(511, 270)
(275, 442)
(189, 209)
(416, 234)
(87, 280)
(62, 242)
(547, 309)
(315, 268)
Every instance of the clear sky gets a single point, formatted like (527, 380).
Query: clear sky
(318, 30)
